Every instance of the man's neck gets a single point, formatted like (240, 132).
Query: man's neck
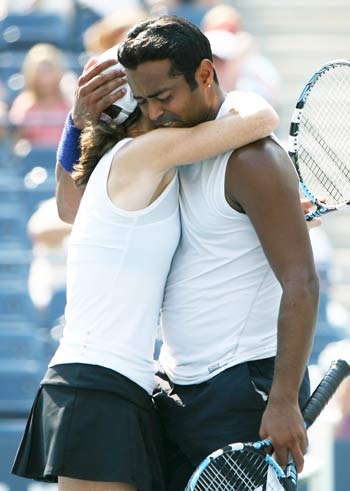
(217, 98)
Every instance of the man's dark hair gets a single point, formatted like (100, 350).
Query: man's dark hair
(167, 37)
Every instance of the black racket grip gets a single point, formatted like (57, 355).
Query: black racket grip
(337, 372)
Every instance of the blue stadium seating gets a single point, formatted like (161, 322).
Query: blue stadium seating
(43, 191)
(11, 187)
(19, 342)
(10, 72)
(193, 13)
(37, 169)
(37, 157)
(14, 264)
(19, 382)
(23, 31)
(341, 462)
(11, 431)
(15, 303)
(13, 226)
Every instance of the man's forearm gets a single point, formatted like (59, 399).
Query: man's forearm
(298, 312)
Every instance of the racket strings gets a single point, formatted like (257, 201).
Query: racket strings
(237, 471)
(314, 175)
(323, 144)
(321, 174)
(323, 140)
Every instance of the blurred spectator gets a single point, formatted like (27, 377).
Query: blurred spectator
(223, 17)
(39, 111)
(112, 29)
(48, 269)
(237, 51)
(228, 56)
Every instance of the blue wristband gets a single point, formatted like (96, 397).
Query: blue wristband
(68, 152)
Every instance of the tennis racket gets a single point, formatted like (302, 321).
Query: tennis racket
(248, 466)
(319, 143)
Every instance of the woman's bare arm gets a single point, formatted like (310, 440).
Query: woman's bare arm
(251, 118)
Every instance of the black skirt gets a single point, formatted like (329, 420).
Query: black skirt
(108, 434)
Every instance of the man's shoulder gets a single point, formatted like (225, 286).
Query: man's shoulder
(269, 149)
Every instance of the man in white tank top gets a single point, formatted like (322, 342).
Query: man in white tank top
(241, 299)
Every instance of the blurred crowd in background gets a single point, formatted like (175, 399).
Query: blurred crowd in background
(44, 45)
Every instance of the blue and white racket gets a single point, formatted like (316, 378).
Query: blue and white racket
(319, 143)
(249, 466)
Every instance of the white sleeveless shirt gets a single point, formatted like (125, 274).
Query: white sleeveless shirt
(117, 266)
(222, 298)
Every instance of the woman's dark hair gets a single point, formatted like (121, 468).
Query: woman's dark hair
(96, 140)
(167, 37)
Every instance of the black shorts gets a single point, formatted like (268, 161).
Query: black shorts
(198, 419)
(92, 434)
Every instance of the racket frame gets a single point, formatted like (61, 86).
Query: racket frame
(321, 208)
(337, 372)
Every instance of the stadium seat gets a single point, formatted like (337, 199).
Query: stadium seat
(10, 72)
(14, 264)
(11, 186)
(13, 225)
(23, 31)
(19, 381)
(37, 157)
(38, 170)
(15, 303)
(6, 159)
(193, 13)
(11, 431)
(18, 342)
(341, 462)
(83, 18)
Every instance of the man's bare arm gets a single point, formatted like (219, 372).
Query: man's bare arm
(261, 181)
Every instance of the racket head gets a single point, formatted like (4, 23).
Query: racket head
(241, 467)
(247, 466)
(319, 145)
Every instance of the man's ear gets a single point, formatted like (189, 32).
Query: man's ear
(205, 73)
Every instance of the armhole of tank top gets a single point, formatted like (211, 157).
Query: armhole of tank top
(221, 204)
(107, 168)
(131, 213)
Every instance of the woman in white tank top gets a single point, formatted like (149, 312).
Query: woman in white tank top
(93, 425)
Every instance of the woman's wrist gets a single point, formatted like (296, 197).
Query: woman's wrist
(68, 152)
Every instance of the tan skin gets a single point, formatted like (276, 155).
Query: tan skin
(279, 223)
(68, 484)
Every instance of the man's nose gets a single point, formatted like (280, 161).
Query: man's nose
(155, 110)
